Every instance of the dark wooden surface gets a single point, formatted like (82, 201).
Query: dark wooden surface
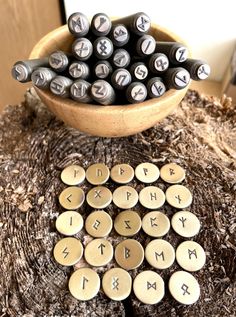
(35, 147)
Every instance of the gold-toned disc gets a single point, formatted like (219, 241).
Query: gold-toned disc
(172, 173)
(186, 224)
(129, 254)
(84, 284)
(73, 175)
(97, 174)
(69, 223)
(125, 197)
(122, 173)
(149, 287)
(99, 197)
(127, 223)
(190, 256)
(156, 224)
(147, 172)
(184, 287)
(178, 196)
(98, 252)
(98, 224)
(72, 198)
(160, 254)
(116, 284)
(152, 197)
(68, 251)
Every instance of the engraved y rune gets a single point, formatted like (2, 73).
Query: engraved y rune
(182, 219)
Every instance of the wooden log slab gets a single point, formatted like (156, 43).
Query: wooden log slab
(35, 146)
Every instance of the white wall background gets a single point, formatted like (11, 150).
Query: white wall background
(208, 26)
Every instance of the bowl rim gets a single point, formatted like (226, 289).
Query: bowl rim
(103, 108)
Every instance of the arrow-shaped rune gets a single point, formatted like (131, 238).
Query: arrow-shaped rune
(101, 246)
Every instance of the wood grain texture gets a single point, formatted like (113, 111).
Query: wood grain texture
(113, 120)
(22, 24)
(35, 147)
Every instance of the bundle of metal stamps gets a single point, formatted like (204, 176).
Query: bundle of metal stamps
(113, 62)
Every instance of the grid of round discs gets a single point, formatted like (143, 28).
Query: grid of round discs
(95, 237)
(113, 62)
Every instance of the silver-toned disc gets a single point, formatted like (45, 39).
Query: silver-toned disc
(82, 48)
(79, 91)
(101, 24)
(60, 86)
(121, 78)
(146, 45)
(79, 69)
(121, 58)
(143, 23)
(78, 24)
(103, 47)
(102, 92)
(136, 92)
(141, 71)
(182, 78)
(161, 63)
(20, 72)
(42, 77)
(58, 60)
(155, 87)
(181, 54)
(203, 71)
(102, 69)
(120, 34)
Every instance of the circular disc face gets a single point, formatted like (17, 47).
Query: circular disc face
(98, 224)
(84, 284)
(184, 287)
(116, 284)
(127, 223)
(125, 197)
(141, 72)
(160, 254)
(186, 224)
(72, 198)
(19, 72)
(69, 223)
(97, 174)
(99, 197)
(178, 196)
(98, 252)
(172, 173)
(147, 172)
(158, 88)
(182, 78)
(129, 254)
(190, 256)
(156, 224)
(203, 71)
(148, 45)
(68, 251)
(151, 197)
(143, 23)
(122, 173)
(73, 175)
(181, 54)
(149, 287)
(102, 23)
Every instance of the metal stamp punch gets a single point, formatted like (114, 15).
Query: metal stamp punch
(158, 63)
(22, 70)
(78, 24)
(121, 78)
(60, 86)
(42, 77)
(119, 35)
(102, 92)
(136, 92)
(176, 52)
(79, 91)
(79, 69)
(59, 61)
(100, 24)
(139, 71)
(155, 87)
(145, 45)
(199, 70)
(82, 49)
(177, 78)
(103, 47)
(138, 23)
(102, 69)
(121, 58)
